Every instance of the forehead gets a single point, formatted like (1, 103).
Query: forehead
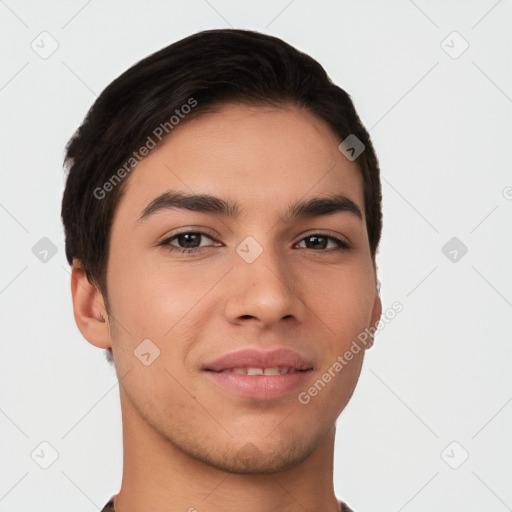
(262, 157)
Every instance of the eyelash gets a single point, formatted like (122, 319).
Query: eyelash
(342, 245)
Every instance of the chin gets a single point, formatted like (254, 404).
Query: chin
(260, 458)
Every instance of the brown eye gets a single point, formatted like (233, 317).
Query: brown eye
(320, 241)
(187, 242)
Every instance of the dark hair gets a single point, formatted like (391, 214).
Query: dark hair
(140, 107)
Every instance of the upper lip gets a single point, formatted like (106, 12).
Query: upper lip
(254, 358)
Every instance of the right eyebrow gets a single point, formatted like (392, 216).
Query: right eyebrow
(205, 203)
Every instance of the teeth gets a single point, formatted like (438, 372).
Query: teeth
(276, 370)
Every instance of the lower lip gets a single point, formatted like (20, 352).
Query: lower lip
(263, 387)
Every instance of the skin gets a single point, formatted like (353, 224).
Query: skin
(187, 443)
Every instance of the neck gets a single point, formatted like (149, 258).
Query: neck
(158, 475)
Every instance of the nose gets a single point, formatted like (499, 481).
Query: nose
(265, 291)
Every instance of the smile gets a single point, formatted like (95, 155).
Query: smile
(276, 370)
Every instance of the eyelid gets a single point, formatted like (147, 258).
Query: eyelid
(327, 233)
(189, 229)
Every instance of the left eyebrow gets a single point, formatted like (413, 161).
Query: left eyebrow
(206, 203)
(318, 206)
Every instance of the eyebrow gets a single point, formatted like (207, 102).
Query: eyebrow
(206, 203)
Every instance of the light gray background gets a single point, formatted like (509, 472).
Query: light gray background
(438, 373)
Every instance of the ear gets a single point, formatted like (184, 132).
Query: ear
(376, 314)
(89, 308)
(377, 310)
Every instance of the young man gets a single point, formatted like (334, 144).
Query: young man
(222, 215)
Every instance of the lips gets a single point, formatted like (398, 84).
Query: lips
(276, 370)
(260, 375)
(278, 361)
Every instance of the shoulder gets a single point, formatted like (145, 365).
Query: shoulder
(343, 507)
(109, 506)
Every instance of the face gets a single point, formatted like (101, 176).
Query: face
(197, 285)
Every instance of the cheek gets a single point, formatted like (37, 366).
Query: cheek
(153, 299)
(343, 300)
(146, 295)
(326, 396)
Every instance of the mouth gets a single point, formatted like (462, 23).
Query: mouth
(258, 374)
(252, 361)
(275, 370)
